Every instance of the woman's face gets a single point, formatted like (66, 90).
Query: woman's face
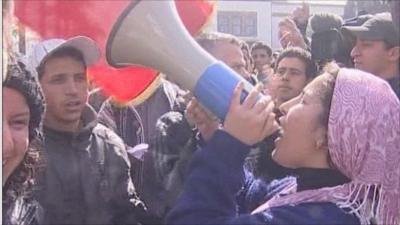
(16, 117)
(303, 136)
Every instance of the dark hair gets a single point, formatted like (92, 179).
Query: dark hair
(325, 89)
(174, 137)
(325, 21)
(261, 45)
(59, 53)
(21, 180)
(303, 55)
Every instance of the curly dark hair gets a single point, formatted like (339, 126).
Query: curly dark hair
(21, 180)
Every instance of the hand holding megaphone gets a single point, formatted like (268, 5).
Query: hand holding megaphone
(249, 121)
(252, 120)
(150, 33)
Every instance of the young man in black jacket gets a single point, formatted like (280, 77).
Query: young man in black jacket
(87, 177)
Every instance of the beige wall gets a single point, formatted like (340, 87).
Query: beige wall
(269, 14)
(263, 14)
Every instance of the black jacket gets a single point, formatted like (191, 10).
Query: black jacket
(395, 84)
(21, 211)
(137, 124)
(87, 177)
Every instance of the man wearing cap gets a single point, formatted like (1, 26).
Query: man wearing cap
(86, 180)
(377, 48)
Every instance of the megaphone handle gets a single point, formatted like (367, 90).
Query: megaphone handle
(215, 87)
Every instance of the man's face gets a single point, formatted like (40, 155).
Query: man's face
(232, 56)
(289, 79)
(370, 56)
(260, 58)
(66, 90)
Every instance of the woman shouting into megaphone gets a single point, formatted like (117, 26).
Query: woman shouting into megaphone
(342, 162)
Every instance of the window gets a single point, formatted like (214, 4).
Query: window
(241, 24)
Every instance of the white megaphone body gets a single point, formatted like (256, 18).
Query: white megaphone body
(150, 33)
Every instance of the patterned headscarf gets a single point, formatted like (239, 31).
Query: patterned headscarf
(23, 81)
(364, 144)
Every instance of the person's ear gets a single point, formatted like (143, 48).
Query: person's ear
(394, 54)
(322, 144)
(321, 139)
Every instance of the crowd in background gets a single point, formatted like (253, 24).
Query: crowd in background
(321, 146)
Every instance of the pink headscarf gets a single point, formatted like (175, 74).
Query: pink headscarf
(364, 144)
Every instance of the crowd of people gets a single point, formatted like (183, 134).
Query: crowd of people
(321, 146)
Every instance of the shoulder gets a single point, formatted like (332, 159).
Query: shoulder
(310, 213)
(106, 106)
(109, 136)
(175, 95)
(112, 146)
(171, 88)
(257, 190)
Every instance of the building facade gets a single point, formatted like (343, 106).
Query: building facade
(253, 20)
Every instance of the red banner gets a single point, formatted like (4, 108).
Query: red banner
(94, 19)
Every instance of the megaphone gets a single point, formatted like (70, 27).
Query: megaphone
(151, 34)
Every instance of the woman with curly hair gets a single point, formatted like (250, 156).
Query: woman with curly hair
(23, 107)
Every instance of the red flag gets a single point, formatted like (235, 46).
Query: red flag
(66, 18)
